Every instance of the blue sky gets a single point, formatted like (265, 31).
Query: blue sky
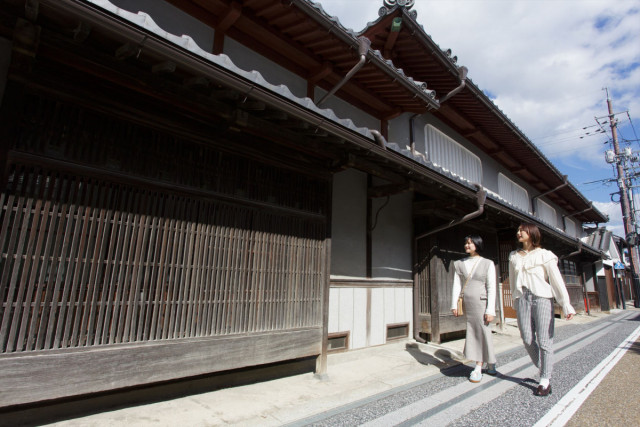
(545, 64)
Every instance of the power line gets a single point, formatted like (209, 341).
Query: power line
(562, 132)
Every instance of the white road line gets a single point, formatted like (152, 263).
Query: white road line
(453, 411)
(566, 407)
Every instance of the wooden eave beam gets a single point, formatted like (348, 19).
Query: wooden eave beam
(228, 19)
(391, 41)
(320, 73)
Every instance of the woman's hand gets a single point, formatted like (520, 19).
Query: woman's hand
(570, 316)
(455, 312)
(488, 318)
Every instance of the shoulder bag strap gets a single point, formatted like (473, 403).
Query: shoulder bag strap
(469, 278)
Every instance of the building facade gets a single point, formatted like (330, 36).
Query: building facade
(194, 187)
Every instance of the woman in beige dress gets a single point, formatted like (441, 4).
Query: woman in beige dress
(475, 279)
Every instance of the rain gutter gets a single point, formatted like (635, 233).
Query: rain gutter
(481, 197)
(363, 47)
(462, 73)
(534, 199)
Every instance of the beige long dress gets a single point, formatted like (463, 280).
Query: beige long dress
(479, 342)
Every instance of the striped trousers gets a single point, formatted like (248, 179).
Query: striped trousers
(536, 322)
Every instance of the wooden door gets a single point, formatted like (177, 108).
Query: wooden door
(506, 246)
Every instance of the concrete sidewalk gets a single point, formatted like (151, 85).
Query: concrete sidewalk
(352, 376)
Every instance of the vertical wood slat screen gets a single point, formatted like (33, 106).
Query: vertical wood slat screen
(85, 262)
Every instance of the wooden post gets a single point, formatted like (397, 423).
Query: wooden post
(433, 297)
(321, 361)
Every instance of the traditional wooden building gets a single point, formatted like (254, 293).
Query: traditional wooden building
(612, 283)
(192, 187)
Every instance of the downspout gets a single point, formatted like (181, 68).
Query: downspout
(578, 252)
(534, 206)
(462, 73)
(578, 213)
(377, 136)
(564, 217)
(481, 197)
(363, 47)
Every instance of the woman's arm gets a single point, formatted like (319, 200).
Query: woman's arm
(558, 287)
(491, 290)
(455, 292)
(512, 276)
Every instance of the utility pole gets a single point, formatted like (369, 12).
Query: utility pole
(628, 219)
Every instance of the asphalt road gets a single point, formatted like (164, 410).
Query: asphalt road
(602, 390)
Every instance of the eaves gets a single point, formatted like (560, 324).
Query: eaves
(140, 29)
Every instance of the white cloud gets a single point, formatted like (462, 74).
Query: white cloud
(615, 216)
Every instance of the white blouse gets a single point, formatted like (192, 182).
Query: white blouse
(491, 285)
(538, 271)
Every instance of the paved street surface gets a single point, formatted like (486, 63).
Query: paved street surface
(450, 399)
(407, 383)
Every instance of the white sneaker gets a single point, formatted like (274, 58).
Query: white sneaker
(476, 376)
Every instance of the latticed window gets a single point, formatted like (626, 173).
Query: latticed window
(115, 234)
(445, 152)
(569, 271)
(546, 213)
(513, 193)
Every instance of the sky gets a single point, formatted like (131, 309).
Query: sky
(548, 65)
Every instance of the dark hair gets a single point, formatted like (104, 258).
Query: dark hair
(477, 241)
(534, 233)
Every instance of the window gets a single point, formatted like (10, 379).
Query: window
(338, 341)
(513, 193)
(569, 272)
(546, 213)
(448, 154)
(397, 331)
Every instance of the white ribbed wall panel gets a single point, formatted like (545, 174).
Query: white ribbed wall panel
(388, 305)
(445, 152)
(546, 213)
(378, 327)
(513, 193)
(359, 326)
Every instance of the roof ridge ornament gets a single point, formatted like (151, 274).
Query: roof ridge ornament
(402, 3)
(390, 4)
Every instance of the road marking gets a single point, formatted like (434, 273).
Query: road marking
(448, 405)
(566, 407)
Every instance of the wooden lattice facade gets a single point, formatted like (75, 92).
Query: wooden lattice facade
(117, 236)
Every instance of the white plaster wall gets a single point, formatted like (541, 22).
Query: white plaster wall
(348, 224)
(392, 237)
(344, 110)
(249, 60)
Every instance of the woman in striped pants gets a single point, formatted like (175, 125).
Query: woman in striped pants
(535, 281)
